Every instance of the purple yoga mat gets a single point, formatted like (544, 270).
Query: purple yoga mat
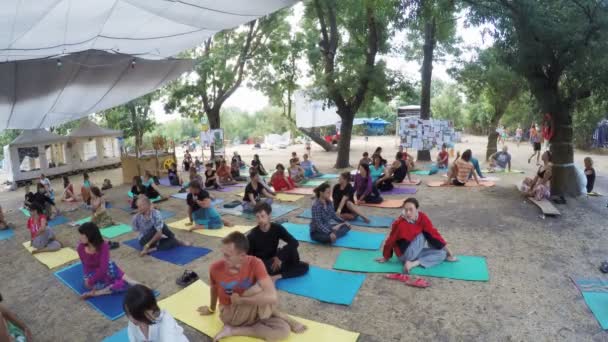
(225, 189)
(165, 182)
(400, 191)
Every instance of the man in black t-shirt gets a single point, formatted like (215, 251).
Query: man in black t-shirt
(201, 212)
(281, 263)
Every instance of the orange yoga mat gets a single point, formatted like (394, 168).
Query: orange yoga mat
(470, 184)
(387, 203)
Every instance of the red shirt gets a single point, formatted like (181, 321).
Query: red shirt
(35, 226)
(225, 283)
(443, 155)
(403, 232)
(279, 183)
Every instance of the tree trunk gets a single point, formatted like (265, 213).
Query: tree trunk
(346, 131)
(565, 180)
(214, 118)
(492, 143)
(317, 138)
(427, 74)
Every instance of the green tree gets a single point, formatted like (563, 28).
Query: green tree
(489, 78)
(343, 40)
(447, 104)
(7, 137)
(223, 62)
(560, 47)
(588, 114)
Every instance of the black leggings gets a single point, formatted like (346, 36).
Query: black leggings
(291, 266)
(164, 243)
(324, 237)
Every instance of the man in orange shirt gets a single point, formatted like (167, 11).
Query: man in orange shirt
(246, 294)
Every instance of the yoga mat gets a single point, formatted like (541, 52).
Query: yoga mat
(415, 181)
(25, 212)
(325, 285)
(221, 233)
(353, 239)
(421, 172)
(502, 171)
(283, 197)
(469, 184)
(278, 210)
(121, 335)
(387, 203)
(472, 268)
(58, 220)
(328, 176)
(299, 191)
(181, 255)
(107, 232)
(375, 221)
(165, 182)
(595, 294)
(400, 191)
(481, 179)
(184, 304)
(594, 194)
(53, 259)
(166, 214)
(181, 195)
(312, 183)
(224, 189)
(153, 200)
(110, 305)
(6, 234)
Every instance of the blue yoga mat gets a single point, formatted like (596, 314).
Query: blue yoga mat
(109, 306)
(166, 214)
(121, 335)
(6, 234)
(595, 294)
(181, 255)
(58, 221)
(375, 221)
(325, 285)
(354, 239)
(180, 195)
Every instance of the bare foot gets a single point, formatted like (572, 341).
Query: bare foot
(87, 295)
(196, 227)
(275, 278)
(365, 219)
(228, 224)
(226, 332)
(451, 258)
(332, 238)
(186, 243)
(407, 267)
(297, 327)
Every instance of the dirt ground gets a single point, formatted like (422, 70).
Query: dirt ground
(529, 296)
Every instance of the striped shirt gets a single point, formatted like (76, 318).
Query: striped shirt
(464, 170)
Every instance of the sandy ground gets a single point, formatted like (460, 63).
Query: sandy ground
(529, 296)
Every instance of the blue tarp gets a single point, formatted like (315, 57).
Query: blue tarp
(375, 126)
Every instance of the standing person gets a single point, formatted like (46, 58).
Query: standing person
(153, 232)
(518, 134)
(365, 190)
(590, 174)
(85, 190)
(246, 295)
(200, 208)
(11, 327)
(535, 139)
(100, 217)
(254, 192)
(281, 263)
(461, 169)
(310, 170)
(296, 172)
(101, 275)
(539, 187)
(280, 181)
(174, 176)
(147, 322)
(257, 165)
(211, 179)
(326, 226)
(501, 160)
(42, 237)
(410, 233)
(443, 158)
(344, 200)
(68, 191)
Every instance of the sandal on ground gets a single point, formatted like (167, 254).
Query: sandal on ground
(114, 244)
(604, 267)
(419, 283)
(407, 280)
(399, 277)
(187, 278)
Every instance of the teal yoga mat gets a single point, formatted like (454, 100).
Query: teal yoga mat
(109, 232)
(313, 183)
(121, 335)
(328, 176)
(421, 172)
(130, 194)
(375, 221)
(595, 294)
(278, 210)
(353, 239)
(471, 268)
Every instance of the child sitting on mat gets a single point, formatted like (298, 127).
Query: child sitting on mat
(200, 209)
(443, 157)
(280, 181)
(11, 327)
(344, 200)
(410, 233)
(147, 322)
(98, 205)
(101, 275)
(590, 174)
(326, 226)
(42, 236)
(310, 170)
(211, 179)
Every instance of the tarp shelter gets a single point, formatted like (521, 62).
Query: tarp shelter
(313, 113)
(34, 152)
(374, 126)
(93, 146)
(48, 74)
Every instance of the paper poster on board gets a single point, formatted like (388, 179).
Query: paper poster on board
(218, 141)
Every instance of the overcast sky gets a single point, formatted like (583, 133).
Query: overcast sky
(251, 100)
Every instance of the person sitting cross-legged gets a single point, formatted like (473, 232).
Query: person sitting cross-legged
(281, 263)
(200, 209)
(326, 226)
(501, 160)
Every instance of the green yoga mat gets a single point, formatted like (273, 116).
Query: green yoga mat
(598, 304)
(313, 183)
(25, 212)
(130, 194)
(472, 268)
(109, 232)
(421, 172)
(84, 220)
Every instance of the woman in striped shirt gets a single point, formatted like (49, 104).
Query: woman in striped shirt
(461, 169)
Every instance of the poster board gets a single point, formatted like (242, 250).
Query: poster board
(419, 134)
(217, 136)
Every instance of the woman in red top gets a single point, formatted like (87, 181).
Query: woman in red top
(410, 234)
(281, 182)
(42, 236)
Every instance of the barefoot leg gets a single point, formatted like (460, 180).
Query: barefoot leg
(130, 280)
(196, 227)
(227, 223)
(276, 277)
(184, 243)
(352, 207)
(407, 267)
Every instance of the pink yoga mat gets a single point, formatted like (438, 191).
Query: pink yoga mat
(470, 184)
(399, 191)
(300, 191)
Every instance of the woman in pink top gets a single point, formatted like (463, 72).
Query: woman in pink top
(42, 236)
(101, 275)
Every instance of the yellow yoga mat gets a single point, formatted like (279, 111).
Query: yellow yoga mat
(221, 233)
(54, 259)
(184, 304)
(283, 197)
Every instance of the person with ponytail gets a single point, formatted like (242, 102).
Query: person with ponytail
(365, 190)
(326, 226)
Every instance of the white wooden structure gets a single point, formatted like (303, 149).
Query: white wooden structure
(93, 147)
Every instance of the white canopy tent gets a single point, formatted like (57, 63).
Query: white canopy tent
(93, 146)
(313, 113)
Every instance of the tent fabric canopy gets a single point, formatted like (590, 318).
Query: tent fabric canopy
(41, 93)
(89, 129)
(150, 29)
(36, 137)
